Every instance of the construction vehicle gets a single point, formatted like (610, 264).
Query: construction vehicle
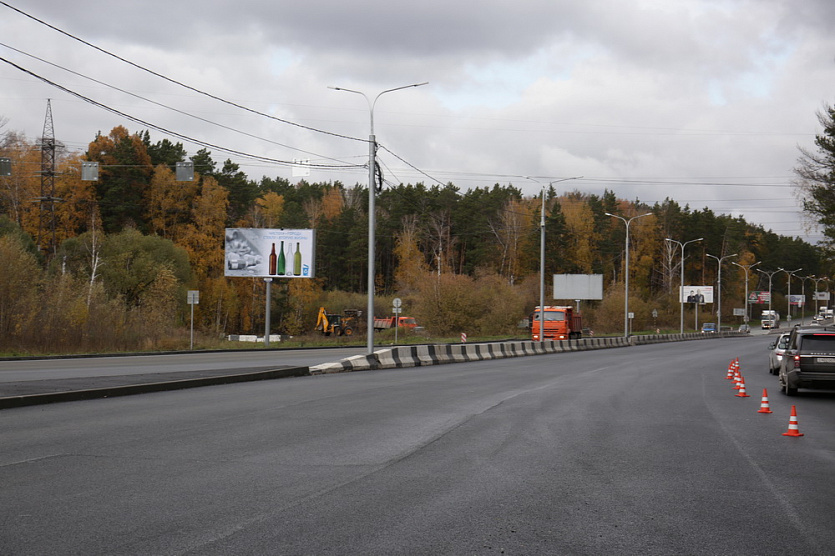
(334, 323)
(390, 322)
(561, 323)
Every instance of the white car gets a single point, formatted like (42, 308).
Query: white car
(775, 353)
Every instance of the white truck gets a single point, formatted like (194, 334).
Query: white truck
(770, 319)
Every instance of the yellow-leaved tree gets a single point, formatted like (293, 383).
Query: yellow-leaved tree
(268, 210)
(579, 221)
(411, 264)
(168, 203)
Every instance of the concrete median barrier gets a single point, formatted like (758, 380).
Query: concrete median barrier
(439, 354)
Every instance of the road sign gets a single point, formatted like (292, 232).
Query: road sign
(397, 302)
(193, 297)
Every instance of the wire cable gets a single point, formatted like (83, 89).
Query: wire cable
(174, 81)
(177, 110)
(168, 131)
(410, 165)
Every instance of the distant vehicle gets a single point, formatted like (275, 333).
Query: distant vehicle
(708, 327)
(391, 322)
(339, 325)
(744, 328)
(770, 320)
(824, 313)
(776, 351)
(561, 323)
(809, 360)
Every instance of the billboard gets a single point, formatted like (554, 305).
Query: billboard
(578, 286)
(797, 300)
(822, 296)
(695, 294)
(759, 297)
(270, 253)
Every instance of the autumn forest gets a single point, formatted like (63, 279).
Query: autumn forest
(106, 264)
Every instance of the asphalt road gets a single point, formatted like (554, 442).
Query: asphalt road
(641, 450)
(18, 370)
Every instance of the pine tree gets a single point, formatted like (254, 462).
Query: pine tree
(816, 177)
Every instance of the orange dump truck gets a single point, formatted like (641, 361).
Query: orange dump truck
(561, 323)
(391, 322)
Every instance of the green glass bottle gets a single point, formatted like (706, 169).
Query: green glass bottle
(281, 261)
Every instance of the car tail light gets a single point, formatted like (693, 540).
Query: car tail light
(796, 361)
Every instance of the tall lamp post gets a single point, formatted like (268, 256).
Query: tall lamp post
(803, 295)
(542, 259)
(719, 289)
(789, 274)
(681, 295)
(816, 281)
(770, 275)
(746, 267)
(626, 272)
(372, 151)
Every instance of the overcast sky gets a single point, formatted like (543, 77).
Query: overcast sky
(701, 101)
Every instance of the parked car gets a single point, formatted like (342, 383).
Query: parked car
(775, 352)
(708, 327)
(744, 328)
(809, 360)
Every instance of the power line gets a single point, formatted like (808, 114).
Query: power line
(165, 130)
(165, 105)
(174, 81)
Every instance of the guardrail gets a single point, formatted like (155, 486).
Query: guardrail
(425, 355)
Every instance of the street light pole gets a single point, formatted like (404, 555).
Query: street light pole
(719, 289)
(626, 273)
(789, 274)
(816, 280)
(746, 267)
(770, 275)
(681, 294)
(542, 259)
(372, 152)
(803, 295)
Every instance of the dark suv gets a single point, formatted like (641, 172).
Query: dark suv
(809, 360)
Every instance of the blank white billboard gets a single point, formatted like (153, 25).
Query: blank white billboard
(578, 286)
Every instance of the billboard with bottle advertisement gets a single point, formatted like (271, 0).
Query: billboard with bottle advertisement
(270, 253)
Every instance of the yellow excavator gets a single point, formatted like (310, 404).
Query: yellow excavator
(340, 325)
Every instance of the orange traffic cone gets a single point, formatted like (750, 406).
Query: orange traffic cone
(741, 393)
(730, 371)
(793, 429)
(764, 403)
(738, 380)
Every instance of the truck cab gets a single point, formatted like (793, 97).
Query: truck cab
(560, 323)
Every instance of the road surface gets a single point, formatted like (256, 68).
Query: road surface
(640, 450)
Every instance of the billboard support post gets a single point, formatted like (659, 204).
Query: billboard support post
(269, 296)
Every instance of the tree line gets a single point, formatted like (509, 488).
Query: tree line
(117, 254)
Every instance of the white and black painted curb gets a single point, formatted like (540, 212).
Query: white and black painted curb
(425, 355)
